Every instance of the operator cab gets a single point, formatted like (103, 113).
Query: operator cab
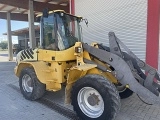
(59, 30)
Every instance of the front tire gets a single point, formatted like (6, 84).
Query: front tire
(94, 97)
(30, 86)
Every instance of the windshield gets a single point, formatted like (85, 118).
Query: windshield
(60, 31)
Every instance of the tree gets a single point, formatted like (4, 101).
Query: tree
(4, 45)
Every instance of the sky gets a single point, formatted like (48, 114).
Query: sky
(15, 25)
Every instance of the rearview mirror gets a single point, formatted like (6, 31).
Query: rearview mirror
(86, 21)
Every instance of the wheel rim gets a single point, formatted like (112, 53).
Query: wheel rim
(27, 83)
(90, 102)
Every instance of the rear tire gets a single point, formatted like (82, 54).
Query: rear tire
(30, 86)
(94, 97)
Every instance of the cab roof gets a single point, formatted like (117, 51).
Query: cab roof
(61, 11)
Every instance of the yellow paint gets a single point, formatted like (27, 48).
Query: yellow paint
(50, 55)
(55, 11)
(85, 67)
(52, 75)
(53, 86)
(74, 74)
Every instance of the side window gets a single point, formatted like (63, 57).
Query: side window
(49, 33)
(61, 35)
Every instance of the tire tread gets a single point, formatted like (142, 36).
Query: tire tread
(39, 88)
(107, 86)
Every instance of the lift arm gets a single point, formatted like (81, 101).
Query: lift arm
(129, 68)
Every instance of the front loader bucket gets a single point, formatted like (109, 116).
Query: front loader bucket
(129, 68)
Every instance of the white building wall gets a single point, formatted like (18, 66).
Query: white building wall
(127, 18)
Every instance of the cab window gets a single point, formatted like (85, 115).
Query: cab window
(49, 33)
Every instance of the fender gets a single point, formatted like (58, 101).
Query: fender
(44, 75)
(75, 73)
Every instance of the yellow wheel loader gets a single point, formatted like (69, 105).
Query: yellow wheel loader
(95, 76)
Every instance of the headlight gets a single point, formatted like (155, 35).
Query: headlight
(78, 49)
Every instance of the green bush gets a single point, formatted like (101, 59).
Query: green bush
(4, 45)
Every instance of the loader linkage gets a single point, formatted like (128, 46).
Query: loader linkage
(128, 68)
